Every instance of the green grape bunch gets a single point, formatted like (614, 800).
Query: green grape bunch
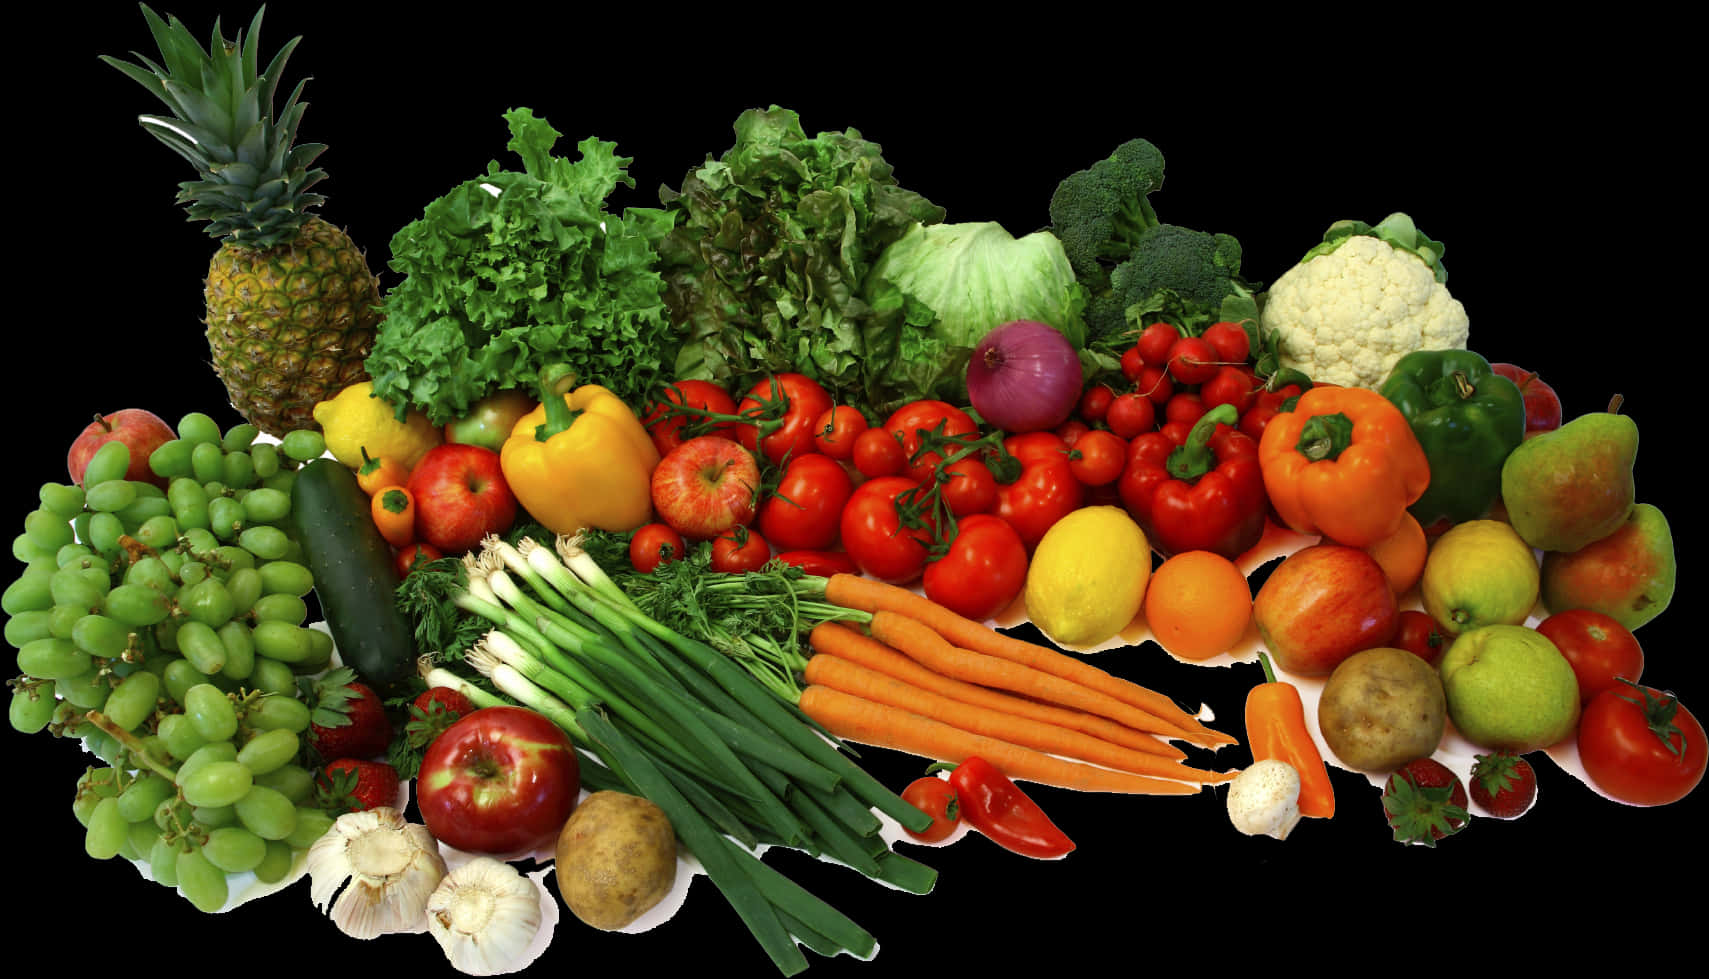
(166, 630)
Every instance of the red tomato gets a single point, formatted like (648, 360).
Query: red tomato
(835, 431)
(820, 563)
(936, 798)
(1418, 633)
(1071, 430)
(968, 487)
(1131, 415)
(1154, 343)
(788, 406)
(500, 780)
(404, 560)
(1045, 493)
(1641, 746)
(873, 533)
(654, 544)
(1098, 457)
(940, 417)
(983, 571)
(1230, 341)
(1095, 401)
(1599, 648)
(1037, 447)
(667, 427)
(1232, 386)
(739, 549)
(878, 453)
(803, 511)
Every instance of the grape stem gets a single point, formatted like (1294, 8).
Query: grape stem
(132, 743)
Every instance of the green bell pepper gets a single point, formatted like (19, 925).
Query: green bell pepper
(1467, 418)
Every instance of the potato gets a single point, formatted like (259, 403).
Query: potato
(616, 858)
(1382, 708)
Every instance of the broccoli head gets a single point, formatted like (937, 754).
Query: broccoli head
(1099, 213)
(1171, 273)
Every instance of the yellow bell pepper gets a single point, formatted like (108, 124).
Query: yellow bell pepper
(581, 459)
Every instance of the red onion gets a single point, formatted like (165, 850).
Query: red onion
(1024, 376)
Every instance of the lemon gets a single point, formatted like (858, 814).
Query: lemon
(1480, 573)
(1088, 574)
(354, 420)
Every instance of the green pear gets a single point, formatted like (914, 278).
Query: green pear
(1566, 488)
(1628, 575)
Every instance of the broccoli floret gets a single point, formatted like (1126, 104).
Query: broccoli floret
(1100, 212)
(1172, 273)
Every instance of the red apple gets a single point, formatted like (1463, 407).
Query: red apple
(1542, 404)
(706, 486)
(461, 496)
(500, 780)
(141, 431)
(1323, 604)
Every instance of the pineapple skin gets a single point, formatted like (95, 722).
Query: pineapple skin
(291, 325)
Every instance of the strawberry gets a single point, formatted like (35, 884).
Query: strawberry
(350, 784)
(432, 712)
(1503, 784)
(349, 719)
(1424, 802)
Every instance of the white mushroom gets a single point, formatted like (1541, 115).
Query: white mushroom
(485, 915)
(1264, 800)
(386, 866)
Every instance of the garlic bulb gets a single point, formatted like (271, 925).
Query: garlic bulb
(387, 867)
(485, 915)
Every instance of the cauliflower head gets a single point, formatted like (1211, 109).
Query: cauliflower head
(1345, 317)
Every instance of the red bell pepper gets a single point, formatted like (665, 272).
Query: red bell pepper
(1202, 493)
(996, 807)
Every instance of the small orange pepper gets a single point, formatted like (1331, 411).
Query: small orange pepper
(1276, 729)
(393, 508)
(374, 474)
(1344, 464)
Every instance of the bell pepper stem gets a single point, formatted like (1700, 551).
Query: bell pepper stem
(1194, 457)
(1325, 436)
(555, 382)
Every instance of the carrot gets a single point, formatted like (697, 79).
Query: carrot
(1276, 728)
(858, 647)
(832, 671)
(871, 595)
(918, 641)
(866, 722)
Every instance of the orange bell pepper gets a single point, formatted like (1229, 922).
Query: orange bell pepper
(1344, 464)
(1276, 729)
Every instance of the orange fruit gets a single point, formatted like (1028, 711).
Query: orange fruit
(1401, 555)
(1198, 604)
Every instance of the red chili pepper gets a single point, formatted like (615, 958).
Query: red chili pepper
(996, 807)
(1203, 493)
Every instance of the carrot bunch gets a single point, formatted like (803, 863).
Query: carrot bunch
(927, 681)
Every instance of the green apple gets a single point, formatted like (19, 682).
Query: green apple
(1509, 688)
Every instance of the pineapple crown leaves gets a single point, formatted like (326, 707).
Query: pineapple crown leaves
(254, 181)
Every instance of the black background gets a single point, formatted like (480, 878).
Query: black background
(1549, 160)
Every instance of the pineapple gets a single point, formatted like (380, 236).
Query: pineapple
(291, 304)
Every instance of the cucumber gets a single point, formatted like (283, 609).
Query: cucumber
(354, 578)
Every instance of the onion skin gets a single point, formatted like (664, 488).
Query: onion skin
(1024, 376)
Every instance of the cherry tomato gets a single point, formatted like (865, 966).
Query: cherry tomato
(801, 400)
(1095, 401)
(1232, 386)
(1230, 341)
(983, 571)
(1037, 447)
(911, 420)
(1418, 633)
(1045, 493)
(873, 533)
(404, 559)
(1192, 360)
(1641, 746)
(1071, 430)
(803, 511)
(836, 430)
(1155, 383)
(968, 487)
(1599, 648)
(878, 453)
(1154, 343)
(1098, 457)
(936, 798)
(1131, 415)
(667, 428)
(654, 544)
(739, 549)
(820, 563)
